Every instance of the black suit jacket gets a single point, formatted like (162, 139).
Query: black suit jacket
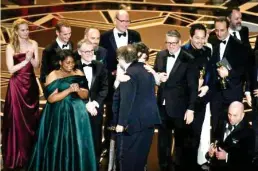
(99, 83)
(50, 59)
(138, 109)
(239, 145)
(107, 41)
(101, 55)
(235, 53)
(244, 34)
(181, 89)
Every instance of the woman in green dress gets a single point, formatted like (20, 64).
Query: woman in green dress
(64, 139)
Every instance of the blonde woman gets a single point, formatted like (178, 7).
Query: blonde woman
(21, 110)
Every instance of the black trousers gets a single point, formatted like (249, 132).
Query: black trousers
(96, 128)
(132, 150)
(186, 143)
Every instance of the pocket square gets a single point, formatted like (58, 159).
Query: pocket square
(235, 141)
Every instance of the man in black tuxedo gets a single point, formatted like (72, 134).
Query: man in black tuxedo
(226, 82)
(93, 35)
(241, 33)
(235, 141)
(96, 75)
(111, 41)
(49, 55)
(176, 99)
(138, 112)
(202, 55)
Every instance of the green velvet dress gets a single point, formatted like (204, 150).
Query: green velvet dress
(64, 139)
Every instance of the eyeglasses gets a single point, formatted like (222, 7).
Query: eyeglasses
(172, 43)
(87, 52)
(124, 21)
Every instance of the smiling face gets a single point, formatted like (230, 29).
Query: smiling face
(86, 51)
(64, 34)
(67, 64)
(198, 39)
(173, 44)
(23, 31)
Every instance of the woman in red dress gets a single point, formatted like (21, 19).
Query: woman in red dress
(21, 110)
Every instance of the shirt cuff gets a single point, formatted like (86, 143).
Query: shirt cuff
(95, 103)
(226, 157)
(247, 93)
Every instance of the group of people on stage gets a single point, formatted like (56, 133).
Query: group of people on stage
(208, 75)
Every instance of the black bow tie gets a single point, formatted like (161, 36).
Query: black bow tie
(230, 127)
(171, 56)
(64, 45)
(122, 34)
(87, 65)
(223, 41)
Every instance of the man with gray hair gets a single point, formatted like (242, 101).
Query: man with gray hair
(177, 94)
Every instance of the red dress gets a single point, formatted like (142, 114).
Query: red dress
(21, 115)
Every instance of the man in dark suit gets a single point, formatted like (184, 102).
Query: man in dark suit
(235, 142)
(226, 80)
(176, 99)
(241, 33)
(96, 75)
(111, 40)
(202, 55)
(93, 35)
(138, 112)
(49, 55)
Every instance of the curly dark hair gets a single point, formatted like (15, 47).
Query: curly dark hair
(62, 55)
(141, 48)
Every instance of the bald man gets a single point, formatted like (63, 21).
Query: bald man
(235, 142)
(111, 40)
(93, 35)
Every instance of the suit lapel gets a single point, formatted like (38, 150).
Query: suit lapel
(94, 71)
(80, 66)
(176, 64)
(227, 49)
(130, 37)
(112, 40)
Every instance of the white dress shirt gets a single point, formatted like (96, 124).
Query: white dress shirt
(60, 44)
(87, 72)
(122, 40)
(222, 47)
(170, 64)
(237, 33)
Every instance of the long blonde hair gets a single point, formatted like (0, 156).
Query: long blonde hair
(14, 40)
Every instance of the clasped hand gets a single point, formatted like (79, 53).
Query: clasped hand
(74, 87)
(223, 72)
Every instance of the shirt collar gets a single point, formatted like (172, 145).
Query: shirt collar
(127, 65)
(60, 43)
(85, 62)
(116, 31)
(176, 53)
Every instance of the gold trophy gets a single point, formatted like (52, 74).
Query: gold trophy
(224, 62)
(202, 73)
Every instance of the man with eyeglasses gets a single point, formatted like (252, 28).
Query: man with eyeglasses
(96, 75)
(49, 54)
(111, 40)
(93, 35)
(176, 98)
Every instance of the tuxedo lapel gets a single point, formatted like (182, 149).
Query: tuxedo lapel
(227, 49)
(113, 41)
(94, 71)
(164, 62)
(80, 66)
(130, 38)
(176, 65)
